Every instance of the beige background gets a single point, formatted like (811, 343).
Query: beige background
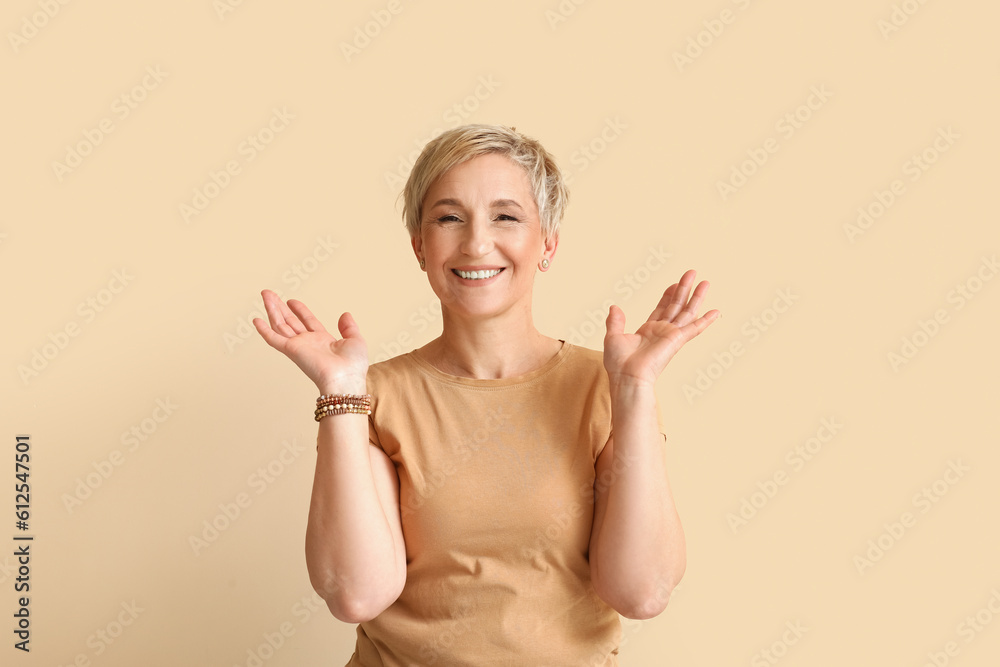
(172, 328)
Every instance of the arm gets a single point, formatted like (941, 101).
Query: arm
(637, 547)
(354, 541)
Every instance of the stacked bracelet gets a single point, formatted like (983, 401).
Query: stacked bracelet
(339, 404)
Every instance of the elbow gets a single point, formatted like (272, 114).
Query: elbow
(640, 601)
(643, 610)
(349, 605)
(352, 610)
(640, 606)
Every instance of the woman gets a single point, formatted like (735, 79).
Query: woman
(471, 504)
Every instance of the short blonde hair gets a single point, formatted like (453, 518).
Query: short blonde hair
(465, 142)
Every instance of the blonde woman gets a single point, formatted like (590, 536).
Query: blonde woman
(497, 496)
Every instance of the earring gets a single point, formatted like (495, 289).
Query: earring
(545, 264)
(421, 262)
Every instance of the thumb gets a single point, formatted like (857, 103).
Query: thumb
(348, 327)
(616, 320)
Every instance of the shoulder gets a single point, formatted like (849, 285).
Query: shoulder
(586, 355)
(585, 363)
(581, 381)
(390, 365)
(389, 378)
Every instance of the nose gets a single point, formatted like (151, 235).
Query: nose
(477, 239)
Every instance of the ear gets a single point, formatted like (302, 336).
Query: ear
(417, 244)
(550, 243)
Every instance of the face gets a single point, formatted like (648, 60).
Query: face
(481, 237)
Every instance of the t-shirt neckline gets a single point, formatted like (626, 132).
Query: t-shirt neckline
(489, 383)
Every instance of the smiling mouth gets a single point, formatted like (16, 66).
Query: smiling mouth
(476, 275)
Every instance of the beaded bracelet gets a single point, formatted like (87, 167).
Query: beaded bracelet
(339, 404)
(357, 399)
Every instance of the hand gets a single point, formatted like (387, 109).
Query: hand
(639, 358)
(296, 333)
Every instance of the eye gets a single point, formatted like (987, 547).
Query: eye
(504, 216)
(448, 218)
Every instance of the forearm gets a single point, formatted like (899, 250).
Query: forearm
(639, 550)
(351, 554)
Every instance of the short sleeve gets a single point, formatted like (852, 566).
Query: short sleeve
(374, 375)
(372, 433)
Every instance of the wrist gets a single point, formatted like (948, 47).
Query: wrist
(630, 384)
(343, 385)
(627, 397)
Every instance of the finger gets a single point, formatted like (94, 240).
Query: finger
(275, 313)
(308, 320)
(690, 311)
(616, 321)
(659, 312)
(348, 327)
(291, 319)
(680, 295)
(692, 329)
(271, 338)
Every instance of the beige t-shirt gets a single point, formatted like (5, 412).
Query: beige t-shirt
(496, 500)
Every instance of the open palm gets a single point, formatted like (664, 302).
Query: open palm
(295, 332)
(642, 356)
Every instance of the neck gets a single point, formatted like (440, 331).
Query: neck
(507, 345)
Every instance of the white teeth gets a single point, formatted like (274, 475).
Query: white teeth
(477, 275)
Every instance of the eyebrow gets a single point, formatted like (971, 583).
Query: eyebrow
(496, 204)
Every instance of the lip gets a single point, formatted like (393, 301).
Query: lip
(472, 281)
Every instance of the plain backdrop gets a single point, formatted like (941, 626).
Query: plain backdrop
(830, 168)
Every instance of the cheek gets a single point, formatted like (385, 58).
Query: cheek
(434, 243)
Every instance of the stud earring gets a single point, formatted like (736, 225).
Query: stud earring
(545, 264)
(421, 262)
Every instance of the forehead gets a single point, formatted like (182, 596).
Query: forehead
(491, 175)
